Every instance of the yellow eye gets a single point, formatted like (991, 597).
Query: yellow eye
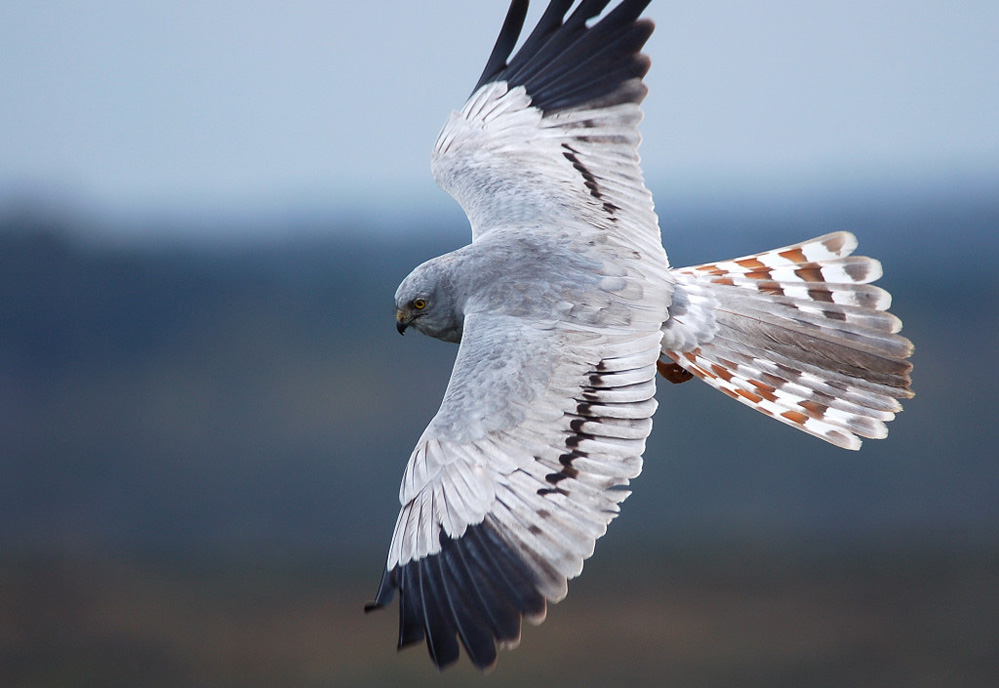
(419, 304)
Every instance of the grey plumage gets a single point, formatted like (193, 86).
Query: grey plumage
(564, 305)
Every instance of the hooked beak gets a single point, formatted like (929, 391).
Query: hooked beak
(401, 322)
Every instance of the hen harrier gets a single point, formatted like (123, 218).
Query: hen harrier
(565, 305)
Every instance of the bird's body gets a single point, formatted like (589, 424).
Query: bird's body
(563, 305)
(520, 271)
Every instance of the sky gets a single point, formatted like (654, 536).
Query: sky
(220, 107)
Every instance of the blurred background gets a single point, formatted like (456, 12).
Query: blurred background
(205, 209)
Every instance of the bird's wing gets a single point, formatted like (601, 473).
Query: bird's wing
(519, 473)
(551, 136)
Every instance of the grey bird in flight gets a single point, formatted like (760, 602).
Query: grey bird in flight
(565, 306)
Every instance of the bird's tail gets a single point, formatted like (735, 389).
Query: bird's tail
(797, 333)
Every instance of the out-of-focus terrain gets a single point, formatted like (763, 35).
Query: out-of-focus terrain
(201, 443)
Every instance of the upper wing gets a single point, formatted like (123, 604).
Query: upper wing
(518, 474)
(553, 133)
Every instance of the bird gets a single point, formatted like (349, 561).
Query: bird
(565, 309)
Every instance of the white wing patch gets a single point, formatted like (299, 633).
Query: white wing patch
(602, 397)
(506, 162)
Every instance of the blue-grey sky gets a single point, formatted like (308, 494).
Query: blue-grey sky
(220, 106)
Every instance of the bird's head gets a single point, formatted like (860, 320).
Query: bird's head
(425, 301)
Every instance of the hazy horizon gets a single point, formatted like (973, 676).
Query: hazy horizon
(215, 107)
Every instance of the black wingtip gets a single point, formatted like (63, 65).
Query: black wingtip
(512, 26)
(474, 590)
(565, 63)
(386, 591)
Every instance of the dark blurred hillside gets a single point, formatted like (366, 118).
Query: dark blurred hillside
(194, 394)
(184, 395)
(164, 402)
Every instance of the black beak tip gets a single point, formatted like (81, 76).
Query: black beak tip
(401, 327)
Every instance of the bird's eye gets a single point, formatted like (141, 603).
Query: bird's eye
(419, 304)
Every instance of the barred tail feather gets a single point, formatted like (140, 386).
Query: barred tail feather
(797, 333)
